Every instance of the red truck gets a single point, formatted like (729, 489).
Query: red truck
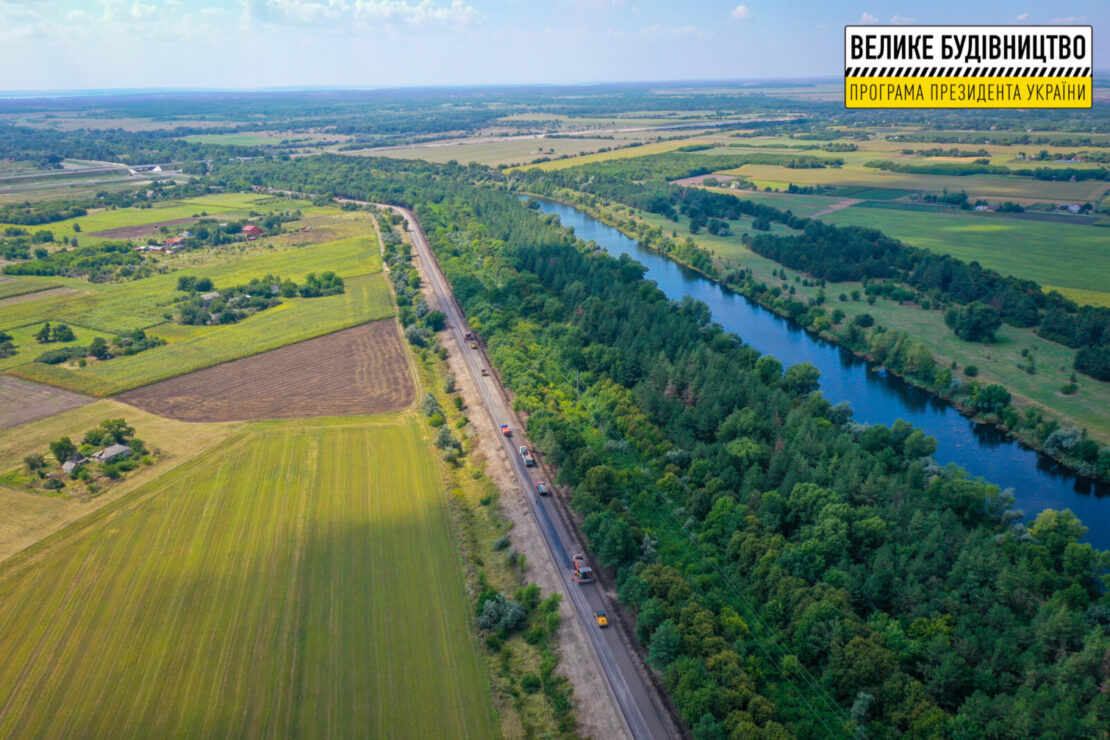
(506, 431)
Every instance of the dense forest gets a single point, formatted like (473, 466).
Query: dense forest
(792, 573)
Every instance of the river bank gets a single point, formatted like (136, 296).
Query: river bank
(877, 394)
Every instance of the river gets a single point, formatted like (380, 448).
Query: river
(876, 396)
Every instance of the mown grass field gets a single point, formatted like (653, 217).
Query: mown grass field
(231, 139)
(636, 151)
(517, 151)
(805, 206)
(116, 308)
(1064, 255)
(988, 187)
(300, 580)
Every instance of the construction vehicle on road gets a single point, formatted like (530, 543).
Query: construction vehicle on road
(541, 488)
(526, 456)
(583, 573)
(602, 618)
(506, 431)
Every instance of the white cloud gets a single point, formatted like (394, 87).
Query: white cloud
(300, 11)
(867, 19)
(1022, 18)
(900, 20)
(741, 13)
(141, 12)
(1069, 20)
(369, 11)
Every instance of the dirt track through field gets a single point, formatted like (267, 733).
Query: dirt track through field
(362, 370)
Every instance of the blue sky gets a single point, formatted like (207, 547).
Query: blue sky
(81, 44)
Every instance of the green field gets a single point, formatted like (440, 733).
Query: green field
(302, 580)
(232, 139)
(1064, 255)
(990, 187)
(228, 206)
(116, 308)
(28, 348)
(11, 287)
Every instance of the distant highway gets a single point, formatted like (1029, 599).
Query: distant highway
(634, 695)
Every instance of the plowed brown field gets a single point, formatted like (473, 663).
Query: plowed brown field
(22, 401)
(362, 370)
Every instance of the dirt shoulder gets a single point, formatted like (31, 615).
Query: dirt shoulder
(596, 718)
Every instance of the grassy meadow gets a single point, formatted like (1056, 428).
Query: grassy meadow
(299, 580)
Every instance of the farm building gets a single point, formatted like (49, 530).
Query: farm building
(209, 297)
(72, 463)
(115, 452)
(252, 230)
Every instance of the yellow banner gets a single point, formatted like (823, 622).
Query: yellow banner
(967, 92)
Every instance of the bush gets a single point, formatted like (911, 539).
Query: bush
(429, 405)
(530, 682)
(971, 371)
(53, 484)
(414, 336)
(500, 614)
(1069, 389)
(501, 542)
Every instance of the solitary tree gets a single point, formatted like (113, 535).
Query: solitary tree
(99, 348)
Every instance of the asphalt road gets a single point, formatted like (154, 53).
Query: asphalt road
(634, 696)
